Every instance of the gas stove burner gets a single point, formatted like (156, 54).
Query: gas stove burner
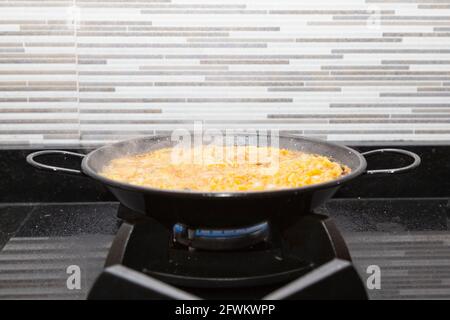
(307, 260)
(229, 239)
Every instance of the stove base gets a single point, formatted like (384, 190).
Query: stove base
(307, 260)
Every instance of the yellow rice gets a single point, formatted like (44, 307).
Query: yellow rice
(225, 169)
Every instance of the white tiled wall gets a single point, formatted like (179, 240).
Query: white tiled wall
(87, 72)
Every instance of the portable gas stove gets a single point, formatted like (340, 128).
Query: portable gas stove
(308, 260)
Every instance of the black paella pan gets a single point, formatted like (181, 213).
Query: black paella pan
(218, 210)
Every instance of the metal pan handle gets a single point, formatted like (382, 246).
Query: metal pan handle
(31, 160)
(409, 167)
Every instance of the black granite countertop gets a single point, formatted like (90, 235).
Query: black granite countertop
(408, 239)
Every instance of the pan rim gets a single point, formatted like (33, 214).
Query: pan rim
(220, 194)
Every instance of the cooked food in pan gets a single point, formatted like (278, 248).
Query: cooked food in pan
(225, 169)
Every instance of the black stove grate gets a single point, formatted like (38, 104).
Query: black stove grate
(298, 252)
